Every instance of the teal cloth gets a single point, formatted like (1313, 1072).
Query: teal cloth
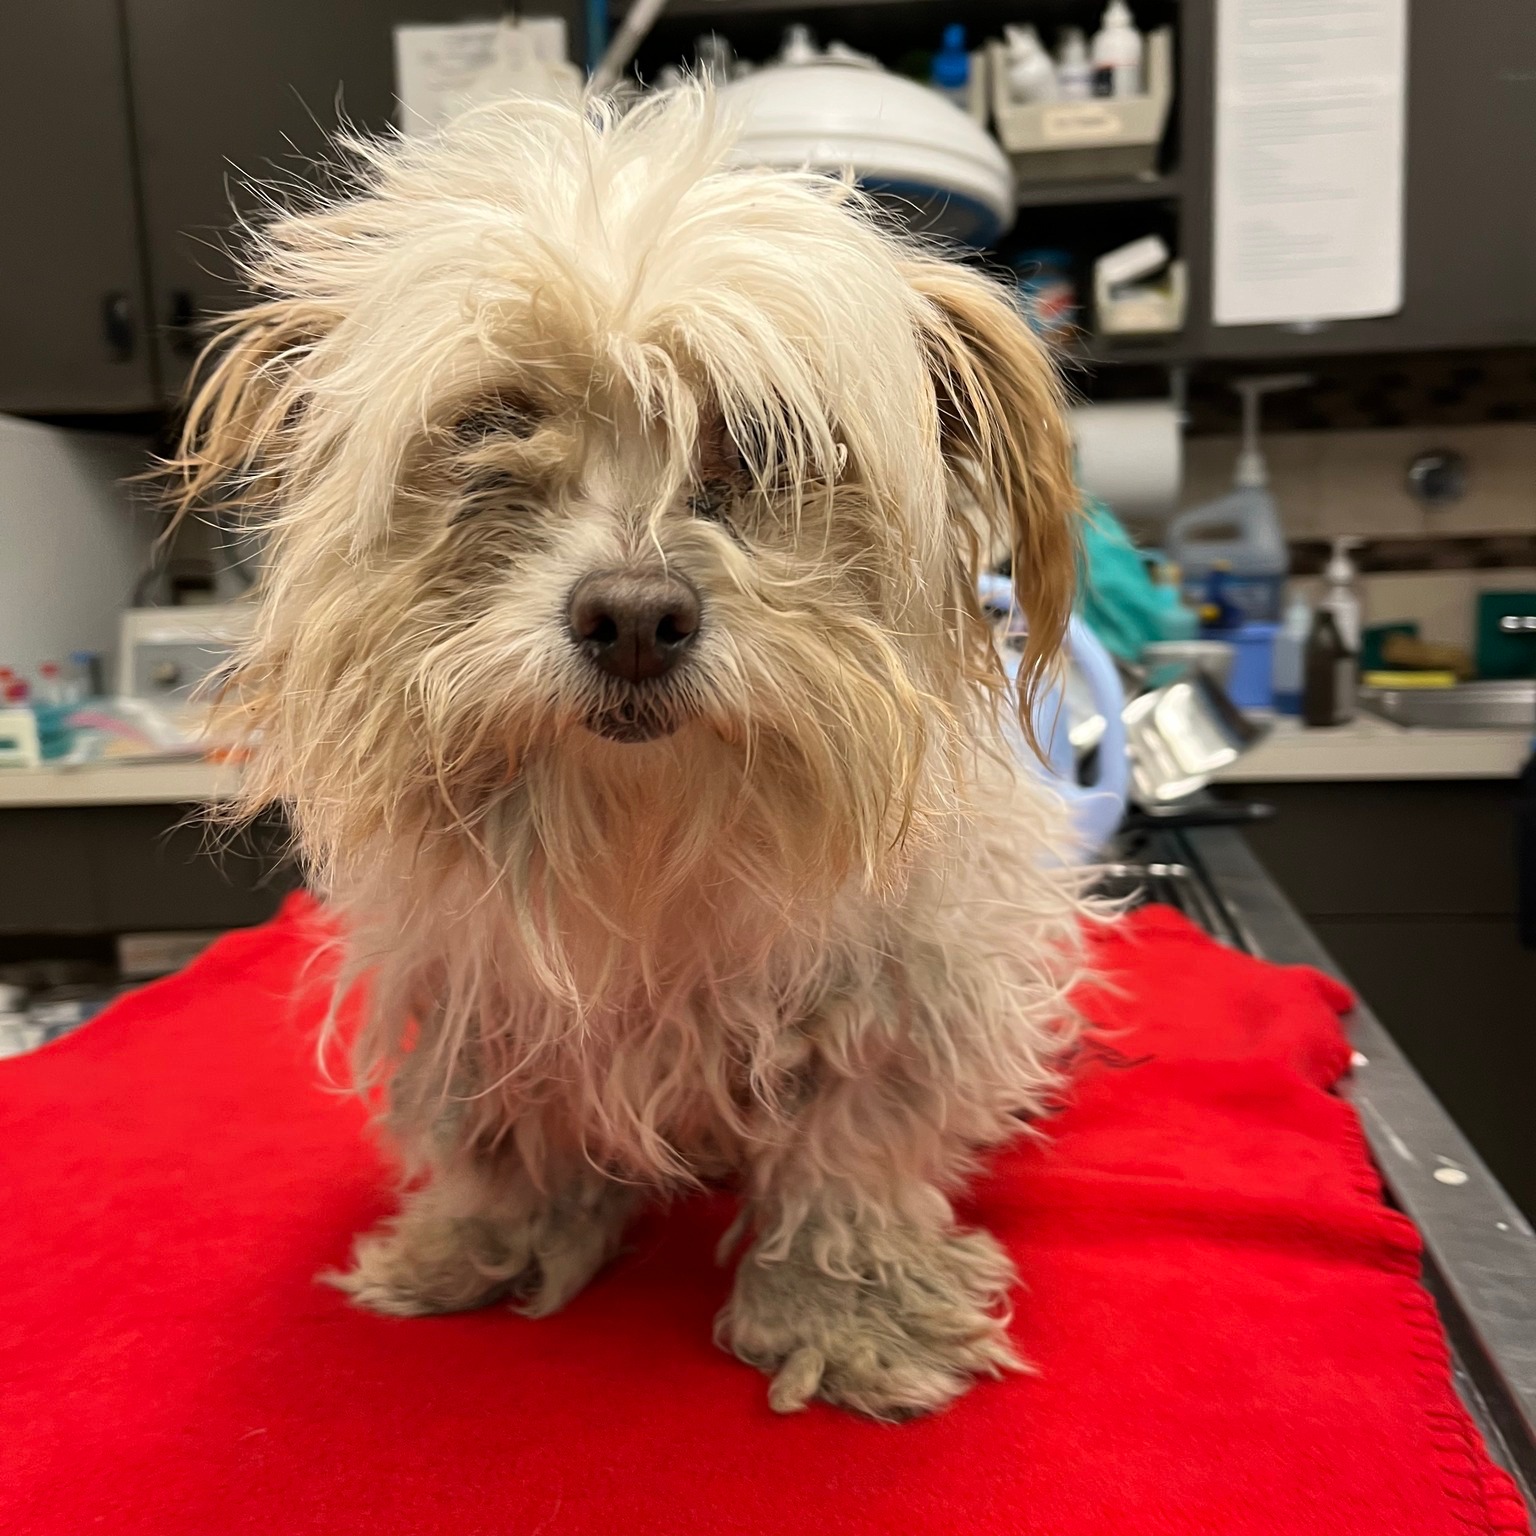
(1116, 595)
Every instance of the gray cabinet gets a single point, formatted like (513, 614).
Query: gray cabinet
(72, 332)
(1470, 193)
(227, 92)
(107, 869)
(1410, 886)
(129, 130)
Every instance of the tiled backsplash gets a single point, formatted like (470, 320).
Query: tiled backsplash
(1331, 483)
(1355, 482)
(1442, 603)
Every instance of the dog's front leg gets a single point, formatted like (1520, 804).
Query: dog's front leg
(860, 1288)
(479, 1230)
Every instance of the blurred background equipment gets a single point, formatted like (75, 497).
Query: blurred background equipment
(914, 149)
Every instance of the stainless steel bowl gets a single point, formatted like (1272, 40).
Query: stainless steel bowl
(1180, 734)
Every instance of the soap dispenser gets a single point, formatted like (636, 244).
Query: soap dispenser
(1240, 531)
(1341, 598)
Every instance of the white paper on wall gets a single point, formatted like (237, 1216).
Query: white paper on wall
(1310, 101)
(441, 70)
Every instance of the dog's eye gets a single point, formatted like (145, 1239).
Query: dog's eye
(746, 454)
(755, 454)
(712, 502)
(717, 501)
(495, 416)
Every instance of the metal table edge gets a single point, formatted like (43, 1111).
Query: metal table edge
(1480, 1250)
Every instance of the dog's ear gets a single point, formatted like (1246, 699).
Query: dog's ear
(1004, 434)
(247, 389)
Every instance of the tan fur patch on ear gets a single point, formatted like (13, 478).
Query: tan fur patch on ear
(246, 386)
(1005, 436)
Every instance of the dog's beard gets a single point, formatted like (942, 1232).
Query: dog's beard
(636, 714)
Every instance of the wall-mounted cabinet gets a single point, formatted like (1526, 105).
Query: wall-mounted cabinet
(72, 291)
(226, 91)
(1469, 241)
(128, 132)
(127, 128)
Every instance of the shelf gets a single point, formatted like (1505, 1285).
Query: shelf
(694, 9)
(1063, 194)
(1097, 351)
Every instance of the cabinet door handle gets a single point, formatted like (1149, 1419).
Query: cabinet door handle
(181, 323)
(117, 326)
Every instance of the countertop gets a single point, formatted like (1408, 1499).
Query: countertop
(1371, 748)
(1366, 748)
(165, 783)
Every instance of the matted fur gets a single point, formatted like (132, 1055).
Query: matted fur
(814, 934)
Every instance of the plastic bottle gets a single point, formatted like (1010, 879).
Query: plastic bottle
(1341, 599)
(1289, 677)
(1328, 696)
(1049, 294)
(1030, 74)
(1240, 530)
(1218, 613)
(951, 72)
(87, 679)
(1176, 620)
(50, 684)
(1074, 72)
(799, 46)
(1117, 50)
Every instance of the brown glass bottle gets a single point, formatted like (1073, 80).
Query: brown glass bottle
(1328, 693)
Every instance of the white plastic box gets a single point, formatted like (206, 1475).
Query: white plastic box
(1106, 136)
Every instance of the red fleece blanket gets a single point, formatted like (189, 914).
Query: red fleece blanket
(1227, 1323)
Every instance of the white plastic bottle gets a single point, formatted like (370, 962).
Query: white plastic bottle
(1117, 50)
(1074, 73)
(1290, 657)
(1030, 73)
(1341, 599)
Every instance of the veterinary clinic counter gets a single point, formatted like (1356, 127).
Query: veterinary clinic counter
(112, 848)
(122, 848)
(1366, 748)
(1371, 748)
(165, 783)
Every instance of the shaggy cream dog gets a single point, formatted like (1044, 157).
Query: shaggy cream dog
(619, 667)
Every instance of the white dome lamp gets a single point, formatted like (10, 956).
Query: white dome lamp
(907, 145)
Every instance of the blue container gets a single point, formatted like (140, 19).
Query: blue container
(54, 736)
(1252, 684)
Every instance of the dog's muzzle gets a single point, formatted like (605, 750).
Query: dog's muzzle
(635, 627)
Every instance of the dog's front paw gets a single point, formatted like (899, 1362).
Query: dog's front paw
(413, 1268)
(905, 1337)
(428, 1260)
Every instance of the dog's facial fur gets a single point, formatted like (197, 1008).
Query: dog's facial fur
(545, 348)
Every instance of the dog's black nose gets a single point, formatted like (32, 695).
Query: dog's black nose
(634, 624)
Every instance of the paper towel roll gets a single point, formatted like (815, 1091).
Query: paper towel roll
(1130, 455)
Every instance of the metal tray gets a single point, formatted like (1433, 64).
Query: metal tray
(1468, 706)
